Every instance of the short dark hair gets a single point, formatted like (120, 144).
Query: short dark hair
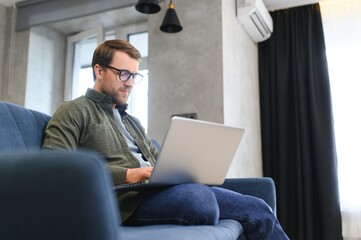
(103, 54)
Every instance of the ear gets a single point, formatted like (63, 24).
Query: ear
(98, 71)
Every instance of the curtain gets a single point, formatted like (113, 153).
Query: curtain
(298, 144)
(342, 28)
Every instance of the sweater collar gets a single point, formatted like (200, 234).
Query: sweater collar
(105, 101)
(122, 109)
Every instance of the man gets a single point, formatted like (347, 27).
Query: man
(99, 121)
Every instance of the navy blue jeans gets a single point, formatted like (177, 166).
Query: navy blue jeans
(196, 204)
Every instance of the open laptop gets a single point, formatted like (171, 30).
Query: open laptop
(193, 151)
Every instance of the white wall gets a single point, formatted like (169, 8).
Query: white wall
(45, 75)
(31, 64)
(241, 92)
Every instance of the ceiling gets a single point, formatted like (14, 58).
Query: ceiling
(107, 19)
(271, 4)
(281, 4)
(9, 3)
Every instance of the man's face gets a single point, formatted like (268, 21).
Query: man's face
(108, 78)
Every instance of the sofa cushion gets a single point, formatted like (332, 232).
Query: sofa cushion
(21, 128)
(226, 229)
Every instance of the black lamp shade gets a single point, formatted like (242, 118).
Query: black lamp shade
(148, 6)
(171, 22)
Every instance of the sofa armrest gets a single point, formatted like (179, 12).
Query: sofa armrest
(263, 188)
(56, 195)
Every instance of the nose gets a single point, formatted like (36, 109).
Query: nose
(129, 82)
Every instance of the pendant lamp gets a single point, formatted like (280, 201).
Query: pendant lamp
(148, 6)
(171, 22)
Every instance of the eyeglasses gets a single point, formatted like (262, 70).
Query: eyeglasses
(124, 75)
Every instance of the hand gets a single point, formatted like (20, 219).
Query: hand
(138, 174)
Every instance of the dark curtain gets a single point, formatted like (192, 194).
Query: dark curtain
(297, 125)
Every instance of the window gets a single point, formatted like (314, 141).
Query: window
(342, 28)
(345, 80)
(140, 41)
(80, 48)
(82, 70)
(138, 101)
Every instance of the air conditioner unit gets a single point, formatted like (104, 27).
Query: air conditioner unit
(255, 19)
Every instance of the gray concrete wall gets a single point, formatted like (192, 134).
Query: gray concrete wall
(14, 60)
(210, 68)
(45, 78)
(3, 24)
(185, 69)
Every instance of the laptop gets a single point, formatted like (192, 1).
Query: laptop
(193, 151)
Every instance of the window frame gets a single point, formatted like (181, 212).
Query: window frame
(99, 33)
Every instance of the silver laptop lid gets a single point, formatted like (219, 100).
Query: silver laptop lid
(196, 151)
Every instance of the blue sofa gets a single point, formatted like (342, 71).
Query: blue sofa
(62, 195)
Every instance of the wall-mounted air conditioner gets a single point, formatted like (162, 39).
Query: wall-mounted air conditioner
(255, 19)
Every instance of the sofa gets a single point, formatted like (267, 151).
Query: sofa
(58, 195)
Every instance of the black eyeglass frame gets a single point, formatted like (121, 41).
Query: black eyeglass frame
(134, 76)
